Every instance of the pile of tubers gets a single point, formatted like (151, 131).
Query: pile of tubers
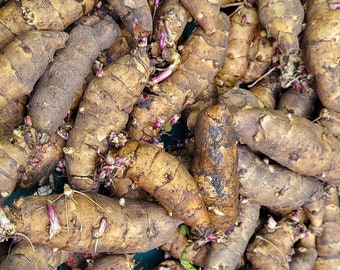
(91, 93)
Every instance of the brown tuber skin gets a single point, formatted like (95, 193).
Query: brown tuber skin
(214, 166)
(24, 159)
(24, 60)
(201, 59)
(105, 108)
(112, 261)
(242, 27)
(52, 96)
(292, 141)
(274, 185)
(205, 13)
(330, 120)
(137, 226)
(322, 51)
(168, 181)
(328, 244)
(136, 16)
(23, 257)
(227, 254)
(17, 17)
(272, 249)
(283, 21)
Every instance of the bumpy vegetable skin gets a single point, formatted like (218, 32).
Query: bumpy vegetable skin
(53, 94)
(166, 179)
(322, 50)
(214, 165)
(24, 60)
(104, 109)
(17, 17)
(293, 141)
(283, 21)
(235, 245)
(201, 59)
(274, 185)
(137, 226)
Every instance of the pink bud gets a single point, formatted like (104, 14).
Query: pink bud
(53, 218)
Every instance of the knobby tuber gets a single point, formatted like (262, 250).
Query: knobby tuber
(243, 24)
(293, 141)
(52, 96)
(322, 50)
(205, 13)
(214, 166)
(113, 261)
(274, 185)
(272, 246)
(227, 254)
(103, 226)
(17, 17)
(42, 257)
(23, 158)
(283, 21)
(330, 120)
(201, 59)
(104, 110)
(328, 244)
(167, 180)
(24, 60)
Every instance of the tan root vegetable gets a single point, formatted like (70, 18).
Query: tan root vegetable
(243, 24)
(283, 21)
(17, 18)
(322, 50)
(214, 166)
(305, 254)
(169, 265)
(136, 16)
(328, 244)
(201, 59)
(259, 57)
(293, 141)
(205, 13)
(176, 245)
(23, 158)
(89, 223)
(166, 179)
(104, 111)
(315, 212)
(42, 257)
(13, 114)
(272, 246)
(227, 254)
(52, 96)
(331, 120)
(169, 22)
(274, 185)
(24, 60)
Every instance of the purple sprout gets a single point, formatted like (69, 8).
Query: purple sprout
(53, 218)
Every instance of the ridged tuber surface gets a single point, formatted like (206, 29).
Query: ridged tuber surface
(137, 226)
(18, 17)
(166, 179)
(214, 165)
(283, 21)
(104, 109)
(274, 185)
(227, 254)
(112, 261)
(205, 13)
(52, 96)
(136, 16)
(243, 24)
(328, 244)
(24, 159)
(201, 59)
(23, 257)
(331, 120)
(322, 50)
(272, 249)
(24, 60)
(292, 141)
